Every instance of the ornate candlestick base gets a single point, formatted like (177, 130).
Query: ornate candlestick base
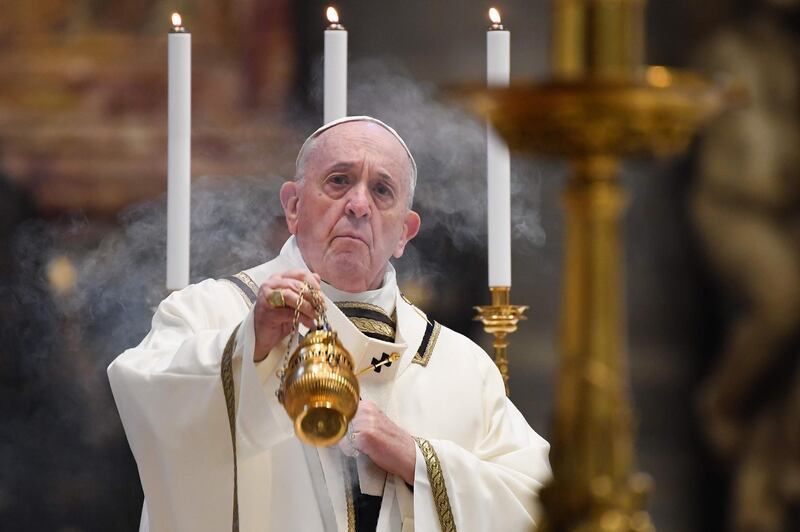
(500, 319)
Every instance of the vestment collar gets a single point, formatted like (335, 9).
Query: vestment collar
(383, 297)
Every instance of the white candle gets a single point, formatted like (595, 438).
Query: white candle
(335, 99)
(179, 105)
(498, 163)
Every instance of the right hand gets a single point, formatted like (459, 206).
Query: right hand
(274, 324)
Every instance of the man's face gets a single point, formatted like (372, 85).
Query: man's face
(350, 212)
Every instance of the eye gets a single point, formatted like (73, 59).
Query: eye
(338, 179)
(383, 190)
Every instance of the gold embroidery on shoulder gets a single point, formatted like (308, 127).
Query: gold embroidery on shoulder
(246, 279)
(438, 486)
(363, 306)
(366, 325)
(415, 308)
(239, 290)
(425, 357)
(245, 285)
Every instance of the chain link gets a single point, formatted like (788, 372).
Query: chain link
(320, 319)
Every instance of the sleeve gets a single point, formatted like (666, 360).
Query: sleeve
(169, 394)
(491, 487)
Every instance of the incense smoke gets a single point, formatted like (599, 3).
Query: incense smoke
(237, 223)
(62, 352)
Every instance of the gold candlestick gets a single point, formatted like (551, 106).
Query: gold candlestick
(500, 319)
(601, 106)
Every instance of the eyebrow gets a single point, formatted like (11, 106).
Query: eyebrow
(344, 166)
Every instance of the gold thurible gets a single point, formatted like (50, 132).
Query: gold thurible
(318, 387)
(501, 319)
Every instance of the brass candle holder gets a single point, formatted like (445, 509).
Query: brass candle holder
(501, 319)
(601, 106)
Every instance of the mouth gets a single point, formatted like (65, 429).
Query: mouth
(352, 237)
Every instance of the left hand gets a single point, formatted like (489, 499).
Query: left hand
(389, 446)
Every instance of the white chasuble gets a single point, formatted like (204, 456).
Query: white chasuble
(479, 465)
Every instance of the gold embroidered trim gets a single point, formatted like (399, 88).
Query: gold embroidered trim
(415, 308)
(367, 325)
(363, 306)
(246, 279)
(348, 495)
(249, 286)
(438, 486)
(226, 373)
(426, 356)
(240, 291)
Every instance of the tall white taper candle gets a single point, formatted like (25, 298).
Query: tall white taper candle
(498, 164)
(179, 111)
(335, 99)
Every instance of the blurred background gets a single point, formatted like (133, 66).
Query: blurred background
(713, 238)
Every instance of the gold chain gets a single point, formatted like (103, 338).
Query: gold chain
(320, 319)
(296, 320)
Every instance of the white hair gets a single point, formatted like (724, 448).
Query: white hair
(308, 147)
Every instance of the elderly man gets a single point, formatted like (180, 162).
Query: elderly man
(435, 443)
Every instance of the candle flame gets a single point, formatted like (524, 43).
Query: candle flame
(176, 19)
(333, 16)
(494, 15)
(62, 275)
(659, 76)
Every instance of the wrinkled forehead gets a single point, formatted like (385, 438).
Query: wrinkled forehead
(353, 138)
(355, 141)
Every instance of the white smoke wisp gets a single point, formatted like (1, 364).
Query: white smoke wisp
(237, 222)
(450, 149)
(233, 228)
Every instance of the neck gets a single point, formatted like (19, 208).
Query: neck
(346, 278)
(356, 284)
(383, 295)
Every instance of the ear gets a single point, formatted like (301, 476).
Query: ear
(410, 229)
(289, 200)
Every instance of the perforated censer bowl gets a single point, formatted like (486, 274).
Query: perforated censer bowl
(321, 392)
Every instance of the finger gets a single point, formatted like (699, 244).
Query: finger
(290, 290)
(313, 280)
(292, 300)
(304, 276)
(292, 280)
(308, 322)
(298, 287)
(281, 282)
(292, 274)
(303, 287)
(279, 317)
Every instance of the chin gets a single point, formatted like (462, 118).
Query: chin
(348, 271)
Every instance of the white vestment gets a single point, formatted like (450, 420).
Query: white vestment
(479, 465)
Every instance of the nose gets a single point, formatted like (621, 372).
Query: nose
(358, 201)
